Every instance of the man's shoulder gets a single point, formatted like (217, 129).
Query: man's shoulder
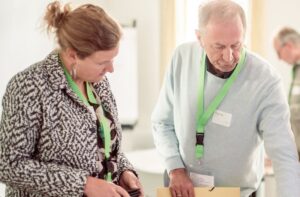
(256, 59)
(260, 66)
(187, 52)
(188, 47)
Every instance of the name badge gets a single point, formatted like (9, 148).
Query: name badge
(296, 90)
(222, 118)
(201, 180)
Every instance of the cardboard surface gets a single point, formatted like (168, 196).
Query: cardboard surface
(205, 192)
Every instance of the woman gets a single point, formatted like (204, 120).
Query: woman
(59, 132)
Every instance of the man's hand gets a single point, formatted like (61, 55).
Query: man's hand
(180, 183)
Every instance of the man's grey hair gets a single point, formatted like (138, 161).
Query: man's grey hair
(287, 34)
(221, 9)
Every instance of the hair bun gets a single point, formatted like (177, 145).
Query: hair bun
(54, 15)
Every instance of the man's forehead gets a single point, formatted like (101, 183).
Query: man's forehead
(223, 44)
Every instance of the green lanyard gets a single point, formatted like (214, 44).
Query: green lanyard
(100, 114)
(204, 116)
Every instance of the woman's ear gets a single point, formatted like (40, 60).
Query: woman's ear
(71, 54)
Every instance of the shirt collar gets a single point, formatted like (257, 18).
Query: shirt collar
(213, 70)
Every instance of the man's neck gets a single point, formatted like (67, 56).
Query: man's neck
(213, 70)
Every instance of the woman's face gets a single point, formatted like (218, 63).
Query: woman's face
(93, 68)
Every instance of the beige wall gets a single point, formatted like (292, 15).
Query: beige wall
(268, 17)
(168, 33)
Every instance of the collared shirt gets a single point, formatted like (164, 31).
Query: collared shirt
(214, 71)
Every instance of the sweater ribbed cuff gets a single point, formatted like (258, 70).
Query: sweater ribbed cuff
(174, 163)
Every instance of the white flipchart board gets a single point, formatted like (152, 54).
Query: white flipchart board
(124, 79)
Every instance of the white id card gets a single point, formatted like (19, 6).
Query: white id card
(222, 118)
(201, 180)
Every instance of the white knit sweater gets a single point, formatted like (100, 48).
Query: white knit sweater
(233, 154)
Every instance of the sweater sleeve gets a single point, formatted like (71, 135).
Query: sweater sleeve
(19, 134)
(163, 127)
(279, 140)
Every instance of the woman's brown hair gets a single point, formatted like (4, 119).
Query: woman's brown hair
(86, 29)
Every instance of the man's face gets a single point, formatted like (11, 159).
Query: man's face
(222, 41)
(284, 51)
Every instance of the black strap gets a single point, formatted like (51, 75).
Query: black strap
(253, 194)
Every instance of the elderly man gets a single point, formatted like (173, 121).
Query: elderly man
(219, 106)
(287, 46)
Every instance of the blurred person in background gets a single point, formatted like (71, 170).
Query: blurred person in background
(287, 45)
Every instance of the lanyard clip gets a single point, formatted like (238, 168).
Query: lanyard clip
(199, 145)
(199, 138)
(109, 168)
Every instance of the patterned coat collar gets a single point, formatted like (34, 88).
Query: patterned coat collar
(55, 71)
(56, 77)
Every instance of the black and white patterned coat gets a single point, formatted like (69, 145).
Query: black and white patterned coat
(48, 137)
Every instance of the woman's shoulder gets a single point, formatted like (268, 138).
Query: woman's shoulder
(29, 76)
(34, 76)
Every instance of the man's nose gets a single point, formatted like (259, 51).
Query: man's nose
(227, 55)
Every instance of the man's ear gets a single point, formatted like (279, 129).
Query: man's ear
(199, 37)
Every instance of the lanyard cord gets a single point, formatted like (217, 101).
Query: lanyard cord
(105, 127)
(204, 116)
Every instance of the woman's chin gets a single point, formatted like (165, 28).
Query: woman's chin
(100, 78)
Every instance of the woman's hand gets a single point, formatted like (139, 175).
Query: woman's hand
(129, 181)
(181, 184)
(97, 187)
